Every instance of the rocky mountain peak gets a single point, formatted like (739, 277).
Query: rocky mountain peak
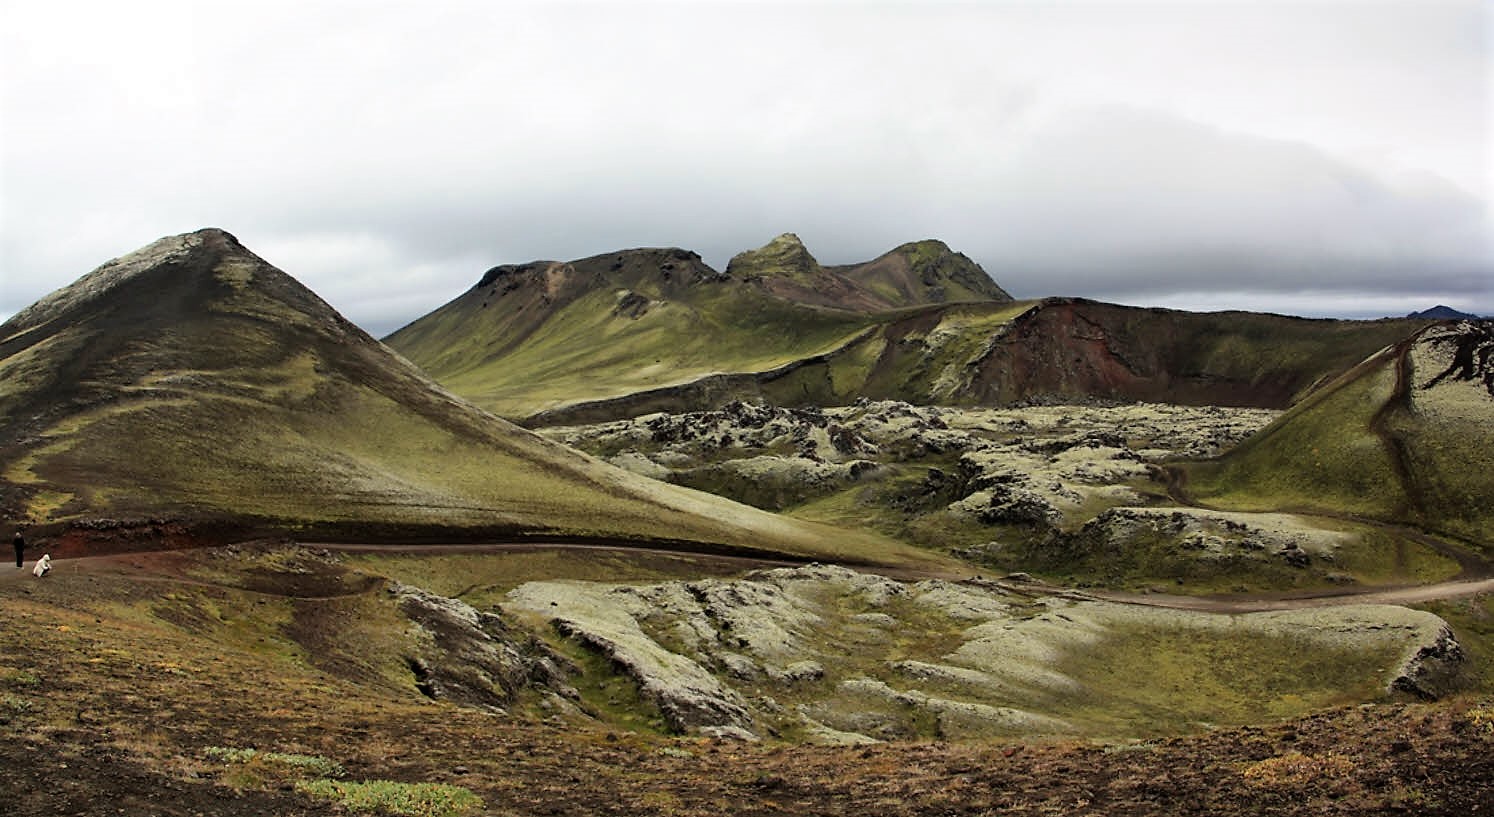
(654, 267)
(937, 265)
(646, 267)
(1443, 312)
(924, 272)
(928, 246)
(115, 273)
(785, 257)
(153, 292)
(506, 272)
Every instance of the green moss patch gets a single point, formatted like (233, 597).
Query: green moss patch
(394, 798)
(1141, 681)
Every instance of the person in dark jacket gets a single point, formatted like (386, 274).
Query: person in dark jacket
(20, 543)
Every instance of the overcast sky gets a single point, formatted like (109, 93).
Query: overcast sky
(1313, 158)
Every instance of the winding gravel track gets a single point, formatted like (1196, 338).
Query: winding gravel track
(1255, 603)
(1228, 604)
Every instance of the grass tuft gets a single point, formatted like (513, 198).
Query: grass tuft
(252, 768)
(1481, 718)
(19, 678)
(1295, 769)
(14, 704)
(313, 763)
(393, 798)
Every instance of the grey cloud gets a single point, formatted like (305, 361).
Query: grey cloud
(1122, 151)
(1105, 200)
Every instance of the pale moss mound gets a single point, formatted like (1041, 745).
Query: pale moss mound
(827, 654)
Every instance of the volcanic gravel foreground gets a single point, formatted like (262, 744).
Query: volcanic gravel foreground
(117, 714)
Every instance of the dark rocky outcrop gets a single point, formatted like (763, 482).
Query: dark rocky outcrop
(1433, 670)
(472, 658)
(783, 257)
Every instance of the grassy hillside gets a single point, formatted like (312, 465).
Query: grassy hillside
(1404, 436)
(192, 381)
(1067, 350)
(1071, 348)
(924, 272)
(537, 337)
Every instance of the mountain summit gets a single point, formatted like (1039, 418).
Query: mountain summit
(918, 273)
(538, 336)
(193, 383)
(1442, 312)
(925, 272)
(783, 257)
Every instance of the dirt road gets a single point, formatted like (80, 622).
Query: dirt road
(1254, 603)
(137, 564)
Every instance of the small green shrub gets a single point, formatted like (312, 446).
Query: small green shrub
(252, 768)
(400, 799)
(20, 678)
(258, 766)
(14, 704)
(1481, 718)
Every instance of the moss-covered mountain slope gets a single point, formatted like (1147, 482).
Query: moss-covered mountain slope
(637, 331)
(1059, 350)
(541, 335)
(191, 381)
(1404, 436)
(918, 273)
(545, 335)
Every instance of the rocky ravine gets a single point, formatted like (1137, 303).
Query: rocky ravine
(829, 655)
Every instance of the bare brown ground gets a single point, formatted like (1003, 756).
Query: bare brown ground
(119, 714)
(1383, 760)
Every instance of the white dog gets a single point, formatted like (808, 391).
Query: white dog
(43, 565)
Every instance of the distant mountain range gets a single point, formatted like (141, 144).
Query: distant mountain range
(1444, 313)
(636, 331)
